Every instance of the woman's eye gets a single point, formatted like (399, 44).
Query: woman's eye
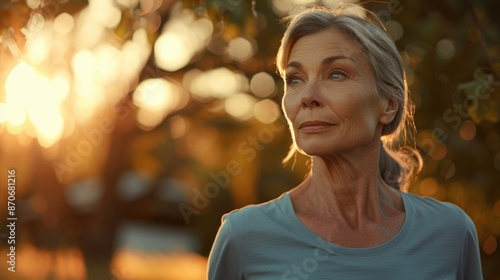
(293, 80)
(337, 76)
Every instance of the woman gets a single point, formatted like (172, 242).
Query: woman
(346, 103)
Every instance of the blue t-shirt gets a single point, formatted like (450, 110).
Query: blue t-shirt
(267, 241)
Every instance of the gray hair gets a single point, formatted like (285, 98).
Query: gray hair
(398, 163)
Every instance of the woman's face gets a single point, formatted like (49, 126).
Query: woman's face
(330, 99)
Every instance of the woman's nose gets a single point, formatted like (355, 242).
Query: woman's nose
(310, 99)
(310, 103)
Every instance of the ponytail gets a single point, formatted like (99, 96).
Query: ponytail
(398, 167)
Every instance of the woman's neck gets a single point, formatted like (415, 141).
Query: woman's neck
(349, 191)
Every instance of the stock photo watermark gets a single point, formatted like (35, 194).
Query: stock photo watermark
(309, 264)
(11, 219)
(74, 154)
(94, 137)
(459, 112)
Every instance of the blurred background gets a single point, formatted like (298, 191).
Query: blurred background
(134, 125)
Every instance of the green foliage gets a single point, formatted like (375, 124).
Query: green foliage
(482, 96)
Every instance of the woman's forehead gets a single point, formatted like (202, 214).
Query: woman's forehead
(327, 43)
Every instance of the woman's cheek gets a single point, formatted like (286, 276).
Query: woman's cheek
(288, 108)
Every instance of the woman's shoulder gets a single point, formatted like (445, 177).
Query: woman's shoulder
(254, 215)
(428, 208)
(251, 211)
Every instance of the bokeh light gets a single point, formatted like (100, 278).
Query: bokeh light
(429, 186)
(172, 52)
(145, 265)
(281, 7)
(39, 46)
(215, 83)
(240, 106)
(66, 263)
(4, 116)
(107, 63)
(445, 48)
(49, 125)
(262, 85)
(303, 2)
(134, 186)
(180, 40)
(84, 195)
(179, 126)
(34, 4)
(104, 12)
(395, 29)
(129, 3)
(36, 96)
(267, 111)
(490, 245)
(17, 117)
(154, 95)
(134, 53)
(240, 49)
(84, 66)
(149, 6)
(64, 23)
(156, 98)
(468, 130)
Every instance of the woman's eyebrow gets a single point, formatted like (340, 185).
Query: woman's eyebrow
(331, 59)
(324, 62)
(294, 64)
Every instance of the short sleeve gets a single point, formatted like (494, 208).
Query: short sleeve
(470, 261)
(224, 262)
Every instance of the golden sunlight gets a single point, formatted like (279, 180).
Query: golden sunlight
(84, 65)
(156, 98)
(153, 95)
(3, 112)
(19, 83)
(240, 49)
(64, 263)
(38, 97)
(133, 264)
(181, 39)
(172, 51)
(38, 47)
(44, 112)
(64, 23)
(240, 106)
(218, 83)
(267, 111)
(17, 116)
(262, 84)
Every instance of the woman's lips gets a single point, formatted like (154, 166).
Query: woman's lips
(315, 126)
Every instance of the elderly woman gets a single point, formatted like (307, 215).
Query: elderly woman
(347, 105)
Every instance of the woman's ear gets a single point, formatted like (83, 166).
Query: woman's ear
(390, 108)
